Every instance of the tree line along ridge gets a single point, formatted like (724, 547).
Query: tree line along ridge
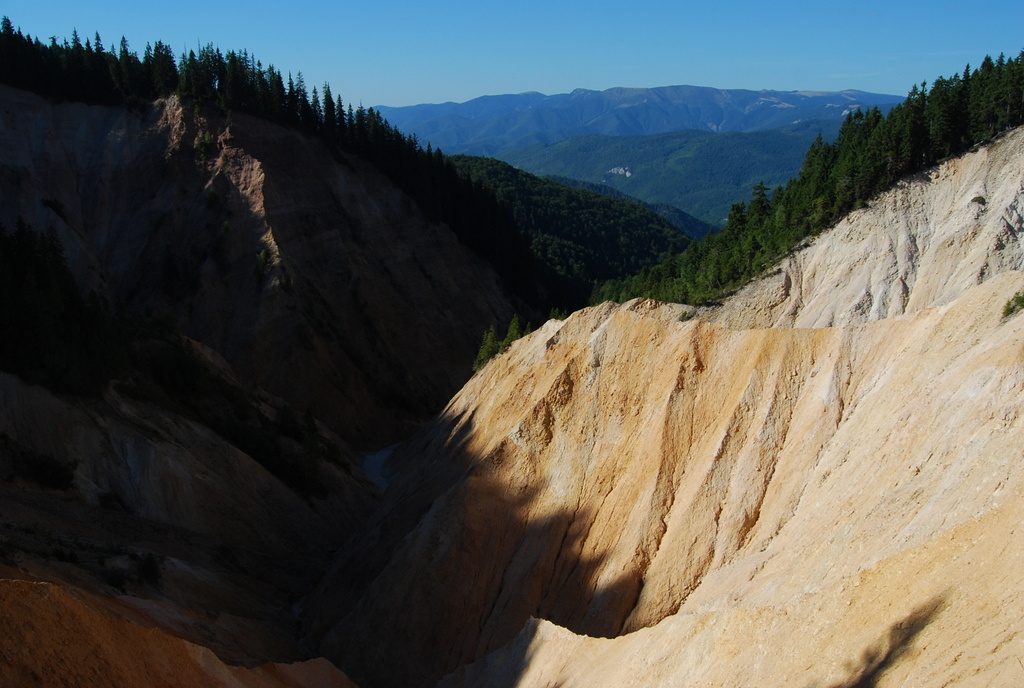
(871, 153)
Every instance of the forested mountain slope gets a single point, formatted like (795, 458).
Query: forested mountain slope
(580, 237)
(700, 172)
(675, 216)
(872, 153)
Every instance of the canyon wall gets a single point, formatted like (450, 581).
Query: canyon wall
(303, 278)
(843, 509)
(719, 502)
(918, 245)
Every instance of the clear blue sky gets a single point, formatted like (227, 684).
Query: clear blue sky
(399, 52)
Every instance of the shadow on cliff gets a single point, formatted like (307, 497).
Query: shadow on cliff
(893, 646)
(465, 550)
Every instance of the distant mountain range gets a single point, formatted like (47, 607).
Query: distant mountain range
(490, 124)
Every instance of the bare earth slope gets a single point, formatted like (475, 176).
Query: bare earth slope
(62, 641)
(801, 507)
(838, 506)
(917, 246)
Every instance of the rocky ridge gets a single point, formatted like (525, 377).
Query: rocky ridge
(920, 245)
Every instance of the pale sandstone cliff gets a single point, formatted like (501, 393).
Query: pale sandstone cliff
(916, 246)
(837, 506)
(847, 514)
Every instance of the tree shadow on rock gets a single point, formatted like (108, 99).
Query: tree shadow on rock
(466, 550)
(891, 648)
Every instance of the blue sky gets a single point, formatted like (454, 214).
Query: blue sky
(381, 52)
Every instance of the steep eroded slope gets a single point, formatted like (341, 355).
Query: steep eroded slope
(918, 245)
(748, 506)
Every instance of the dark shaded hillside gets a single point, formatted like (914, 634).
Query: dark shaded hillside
(700, 172)
(491, 124)
(70, 344)
(138, 472)
(578, 237)
(313, 275)
(54, 336)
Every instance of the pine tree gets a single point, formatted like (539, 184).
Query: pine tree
(488, 348)
(515, 331)
(330, 117)
(317, 118)
(163, 73)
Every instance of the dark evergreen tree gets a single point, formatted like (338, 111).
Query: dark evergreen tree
(163, 72)
(488, 348)
(330, 117)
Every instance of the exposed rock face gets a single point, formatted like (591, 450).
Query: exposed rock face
(728, 506)
(850, 508)
(169, 469)
(917, 246)
(314, 277)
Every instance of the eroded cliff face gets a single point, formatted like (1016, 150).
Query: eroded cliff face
(917, 246)
(313, 276)
(845, 502)
(161, 521)
(725, 505)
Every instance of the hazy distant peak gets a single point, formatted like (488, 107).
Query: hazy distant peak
(490, 124)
